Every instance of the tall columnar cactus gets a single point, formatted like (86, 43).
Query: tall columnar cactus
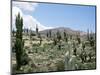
(37, 30)
(70, 37)
(27, 31)
(67, 57)
(70, 61)
(50, 33)
(78, 39)
(47, 34)
(30, 34)
(88, 36)
(39, 35)
(74, 51)
(65, 36)
(83, 46)
(92, 40)
(83, 56)
(55, 40)
(19, 41)
(58, 36)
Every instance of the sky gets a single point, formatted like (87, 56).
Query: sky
(50, 15)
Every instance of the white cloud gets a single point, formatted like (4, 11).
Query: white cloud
(15, 11)
(28, 21)
(27, 6)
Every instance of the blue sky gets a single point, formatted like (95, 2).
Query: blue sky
(72, 16)
(63, 15)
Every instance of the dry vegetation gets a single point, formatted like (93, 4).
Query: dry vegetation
(60, 52)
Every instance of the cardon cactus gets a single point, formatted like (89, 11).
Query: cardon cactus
(67, 57)
(70, 62)
(73, 63)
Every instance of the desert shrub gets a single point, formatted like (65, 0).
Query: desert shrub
(52, 67)
(54, 41)
(78, 39)
(70, 36)
(83, 46)
(43, 49)
(25, 59)
(66, 39)
(90, 55)
(48, 46)
(33, 34)
(91, 65)
(73, 44)
(34, 39)
(26, 39)
(81, 66)
(91, 41)
(26, 69)
(74, 51)
(59, 46)
(26, 47)
(40, 49)
(51, 56)
(35, 45)
(35, 50)
(83, 56)
(60, 65)
(85, 66)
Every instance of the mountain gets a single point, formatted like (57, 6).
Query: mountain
(61, 30)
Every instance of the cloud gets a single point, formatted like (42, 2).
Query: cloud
(15, 11)
(26, 6)
(28, 21)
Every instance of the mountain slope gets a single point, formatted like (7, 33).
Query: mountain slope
(62, 30)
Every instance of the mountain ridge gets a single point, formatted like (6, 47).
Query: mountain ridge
(63, 29)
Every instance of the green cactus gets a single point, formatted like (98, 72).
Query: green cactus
(18, 43)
